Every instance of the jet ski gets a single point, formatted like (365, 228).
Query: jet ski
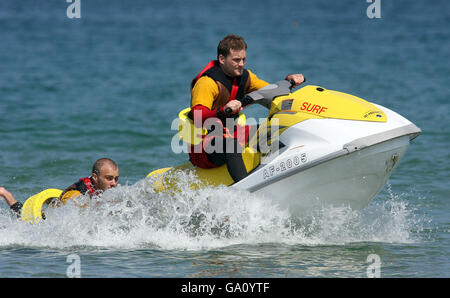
(323, 148)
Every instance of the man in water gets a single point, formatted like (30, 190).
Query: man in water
(105, 175)
(216, 92)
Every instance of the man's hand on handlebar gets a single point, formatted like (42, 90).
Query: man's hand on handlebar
(296, 79)
(262, 95)
(233, 106)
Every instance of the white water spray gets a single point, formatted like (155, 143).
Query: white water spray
(205, 218)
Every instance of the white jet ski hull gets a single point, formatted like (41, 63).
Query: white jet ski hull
(331, 162)
(350, 180)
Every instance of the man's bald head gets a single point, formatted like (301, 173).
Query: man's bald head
(98, 165)
(105, 174)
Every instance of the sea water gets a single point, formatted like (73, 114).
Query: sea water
(110, 83)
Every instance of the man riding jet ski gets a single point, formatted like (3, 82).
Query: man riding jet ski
(217, 92)
(324, 147)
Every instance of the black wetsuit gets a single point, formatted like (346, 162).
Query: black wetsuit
(17, 208)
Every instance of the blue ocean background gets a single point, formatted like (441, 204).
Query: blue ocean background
(110, 84)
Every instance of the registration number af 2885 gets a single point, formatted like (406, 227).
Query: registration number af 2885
(285, 165)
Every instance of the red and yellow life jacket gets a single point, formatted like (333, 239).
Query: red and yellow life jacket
(81, 187)
(229, 89)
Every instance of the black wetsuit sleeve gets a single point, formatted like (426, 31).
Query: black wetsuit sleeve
(17, 208)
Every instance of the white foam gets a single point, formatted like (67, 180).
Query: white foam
(206, 218)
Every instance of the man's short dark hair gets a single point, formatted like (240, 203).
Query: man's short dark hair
(231, 41)
(101, 162)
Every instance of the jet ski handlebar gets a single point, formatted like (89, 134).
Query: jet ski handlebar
(266, 95)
